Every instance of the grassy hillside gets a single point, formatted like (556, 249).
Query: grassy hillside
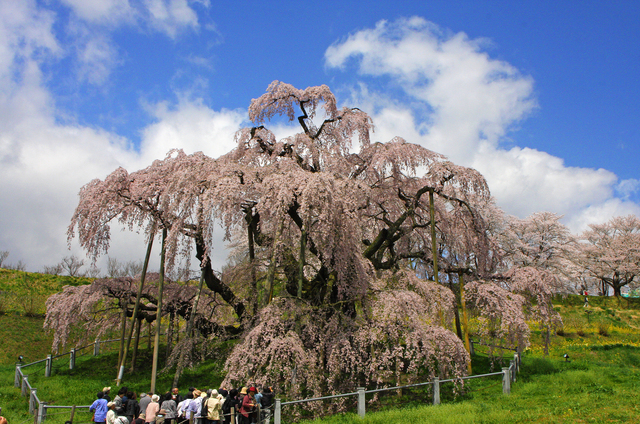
(25, 293)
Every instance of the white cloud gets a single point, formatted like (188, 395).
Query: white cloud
(627, 188)
(473, 97)
(171, 16)
(526, 181)
(44, 163)
(168, 16)
(102, 11)
(191, 126)
(24, 30)
(97, 56)
(93, 21)
(459, 101)
(601, 212)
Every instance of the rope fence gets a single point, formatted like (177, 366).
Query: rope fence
(40, 409)
(508, 377)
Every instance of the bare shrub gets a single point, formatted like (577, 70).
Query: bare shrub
(3, 256)
(604, 328)
(72, 264)
(20, 266)
(52, 270)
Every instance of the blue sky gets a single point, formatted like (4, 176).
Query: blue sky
(541, 97)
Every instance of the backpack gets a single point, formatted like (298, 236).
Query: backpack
(226, 406)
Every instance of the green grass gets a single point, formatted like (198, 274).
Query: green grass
(600, 383)
(25, 293)
(23, 336)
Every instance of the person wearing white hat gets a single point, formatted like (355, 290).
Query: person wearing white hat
(152, 410)
(213, 406)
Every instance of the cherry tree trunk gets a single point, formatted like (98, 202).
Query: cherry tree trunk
(434, 249)
(465, 321)
(194, 310)
(271, 273)
(303, 247)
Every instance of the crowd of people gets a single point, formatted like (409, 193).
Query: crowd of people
(213, 406)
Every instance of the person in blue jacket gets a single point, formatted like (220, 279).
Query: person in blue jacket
(99, 408)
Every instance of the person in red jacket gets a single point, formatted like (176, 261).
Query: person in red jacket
(248, 407)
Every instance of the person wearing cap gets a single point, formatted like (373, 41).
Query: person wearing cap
(111, 413)
(195, 406)
(213, 406)
(152, 409)
(248, 407)
(99, 408)
(201, 415)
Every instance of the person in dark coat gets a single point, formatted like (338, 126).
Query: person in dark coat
(132, 408)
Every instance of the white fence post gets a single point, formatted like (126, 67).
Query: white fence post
(361, 402)
(436, 391)
(516, 358)
(47, 368)
(506, 381)
(18, 379)
(277, 412)
(25, 385)
(42, 412)
(96, 348)
(72, 358)
(32, 402)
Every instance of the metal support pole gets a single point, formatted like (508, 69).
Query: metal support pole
(361, 402)
(506, 381)
(72, 358)
(47, 369)
(436, 391)
(277, 412)
(96, 348)
(73, 413)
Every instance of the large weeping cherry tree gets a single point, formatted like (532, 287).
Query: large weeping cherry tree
(338, 246)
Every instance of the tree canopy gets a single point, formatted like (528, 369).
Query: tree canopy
(339, 245)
